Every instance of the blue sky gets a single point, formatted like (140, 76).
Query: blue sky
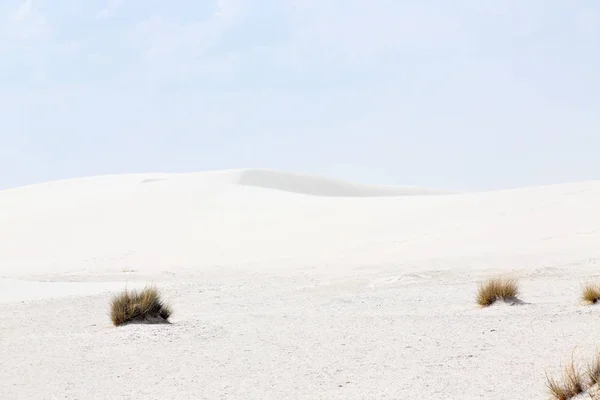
(465, 94)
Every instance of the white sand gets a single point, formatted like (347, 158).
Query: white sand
(291, 287)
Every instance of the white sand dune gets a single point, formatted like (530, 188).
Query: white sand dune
(323, 187)
(286, 286)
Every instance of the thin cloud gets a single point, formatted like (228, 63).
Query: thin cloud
(172, 49)
(110, 9)
(21, 13)
(27, 23)
(229, 9)
(243, 38)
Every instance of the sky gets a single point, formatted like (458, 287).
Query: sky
(463, 94)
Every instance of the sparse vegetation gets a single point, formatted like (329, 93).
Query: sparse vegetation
(593, 371)
(573, 382)
(591, 293)
(571, 385)
(144, 306)
(495, 289)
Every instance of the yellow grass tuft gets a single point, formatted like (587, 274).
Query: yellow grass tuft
(571, 385)
(591, 293)
(144, 306)
(593, 371)
(497, 289)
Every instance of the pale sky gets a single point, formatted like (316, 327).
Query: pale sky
(462, 94)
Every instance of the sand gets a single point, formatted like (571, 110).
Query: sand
(287, 286)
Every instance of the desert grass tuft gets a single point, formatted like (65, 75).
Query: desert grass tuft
(143, 306)
(593, 371)
(571, 385)
(495, 289)
(591, 293)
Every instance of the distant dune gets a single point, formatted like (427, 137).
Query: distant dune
(264, 178)
(324, 187)
(154, 223)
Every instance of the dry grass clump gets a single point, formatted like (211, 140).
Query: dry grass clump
(495, 289)
(593, 371)
(144, 306)
(591, 293)
(572, 384)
